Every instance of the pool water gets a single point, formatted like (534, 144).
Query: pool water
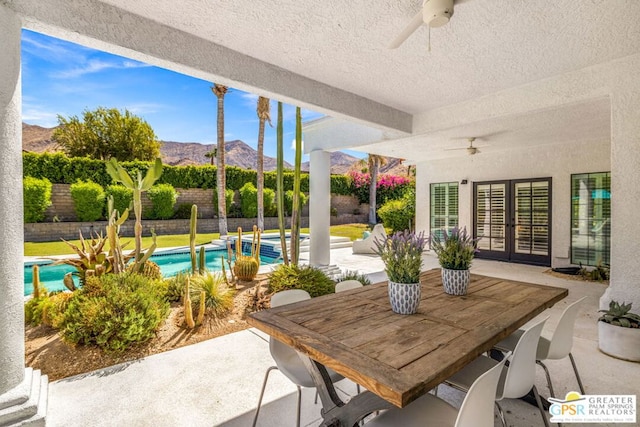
(170, 264)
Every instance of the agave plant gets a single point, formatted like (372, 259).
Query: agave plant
(91, 256)
(619, 315)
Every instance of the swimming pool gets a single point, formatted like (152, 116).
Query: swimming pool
(170, 263)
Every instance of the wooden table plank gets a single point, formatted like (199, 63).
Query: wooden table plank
(398, 357)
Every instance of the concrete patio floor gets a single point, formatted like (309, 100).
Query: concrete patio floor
(217, 382)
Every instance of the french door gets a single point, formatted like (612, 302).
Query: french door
(512, 218)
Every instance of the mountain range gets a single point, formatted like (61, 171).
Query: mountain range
(237, 153)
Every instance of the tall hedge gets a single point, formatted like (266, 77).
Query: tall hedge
(163, 199)
(36, 197)
(122, 197)
(228, 196)
(88, 200)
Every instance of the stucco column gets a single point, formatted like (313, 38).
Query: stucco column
(11, 233)
(22, 392)
(319, 207)
(625, 190)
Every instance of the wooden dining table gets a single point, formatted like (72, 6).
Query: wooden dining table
(399, 358)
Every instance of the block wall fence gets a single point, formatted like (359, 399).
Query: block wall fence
(347, 210)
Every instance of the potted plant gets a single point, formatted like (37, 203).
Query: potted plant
(402, 257)
(455, 251)
(619, 332)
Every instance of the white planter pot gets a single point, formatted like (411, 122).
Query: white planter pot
(455, 282)
(616, 341)
(404, 297)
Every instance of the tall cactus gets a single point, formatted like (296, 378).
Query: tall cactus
(202, 261)
(192, 237)
(116, 258)
(280, 185)
(246, 266)
(295, 209)
(138, 186)
(36, 281)
(188, 310)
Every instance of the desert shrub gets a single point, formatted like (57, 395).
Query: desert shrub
(228, 197)
(37, 198)
(354, 275)
(174, 287)
(163, 198)
(307, 278)
(122, 197)
(53, 313)
(115, 311)
(218, 296)
(88, 200)
(249, 200)
(288, 201)
(34, 309)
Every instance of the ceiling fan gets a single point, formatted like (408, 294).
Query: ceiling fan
(471, 150)
(434, 13)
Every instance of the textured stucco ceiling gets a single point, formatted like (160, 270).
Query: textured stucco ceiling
(488, 46)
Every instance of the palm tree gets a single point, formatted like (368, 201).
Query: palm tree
(220, 91)
(264, 114)
(375, 162)
(212, 155)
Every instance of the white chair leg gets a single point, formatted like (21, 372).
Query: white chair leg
(539, 402)
(575, 370)
(299, 405)
(501, 414)
(546, 373)
(264, 385)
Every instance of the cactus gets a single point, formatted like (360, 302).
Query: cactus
(36, 281)
(192, 237)
(229, 260)
(202, 261)
(188, 310)
(115, 220)
(149, 269)
(90, 255)
(68, 282)
(246, 268)
(224, 272)
(119, 174)
(280, 185)
(201, 309)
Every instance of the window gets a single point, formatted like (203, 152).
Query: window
(444, 206)
(591, 218)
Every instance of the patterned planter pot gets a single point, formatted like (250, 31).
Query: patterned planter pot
(455, 282)
(404, 297)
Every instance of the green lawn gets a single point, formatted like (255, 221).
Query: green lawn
(352, 231)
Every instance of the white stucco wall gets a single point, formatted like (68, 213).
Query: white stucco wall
(557, 161)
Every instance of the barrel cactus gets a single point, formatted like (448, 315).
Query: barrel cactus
(246, 268)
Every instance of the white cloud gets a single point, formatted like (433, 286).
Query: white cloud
(145, 108)
(40, 117)
(95, 66)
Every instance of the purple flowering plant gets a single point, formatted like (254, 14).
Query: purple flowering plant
(455, 249)
(402, 255)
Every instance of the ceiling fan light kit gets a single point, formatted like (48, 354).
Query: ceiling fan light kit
(436, 13)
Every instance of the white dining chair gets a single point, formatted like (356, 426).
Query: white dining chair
(287, 359)
(347, 285)
(555, 346)
(517, 379)
(476, 409)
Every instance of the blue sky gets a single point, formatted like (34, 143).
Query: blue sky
(59, 77)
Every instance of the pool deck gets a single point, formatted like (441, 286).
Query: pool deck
(217, 382)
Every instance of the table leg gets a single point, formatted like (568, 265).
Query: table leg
(335, 412)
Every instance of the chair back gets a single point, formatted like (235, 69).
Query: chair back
(347, 285)
(562, 340)
(287, 359)
(477, 407)
(521, 373)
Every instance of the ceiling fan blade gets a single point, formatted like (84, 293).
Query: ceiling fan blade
(415, 23)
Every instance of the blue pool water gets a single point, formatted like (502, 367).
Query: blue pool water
(170, 265)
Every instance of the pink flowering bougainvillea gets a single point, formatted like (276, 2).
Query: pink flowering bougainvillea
(389, 186)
